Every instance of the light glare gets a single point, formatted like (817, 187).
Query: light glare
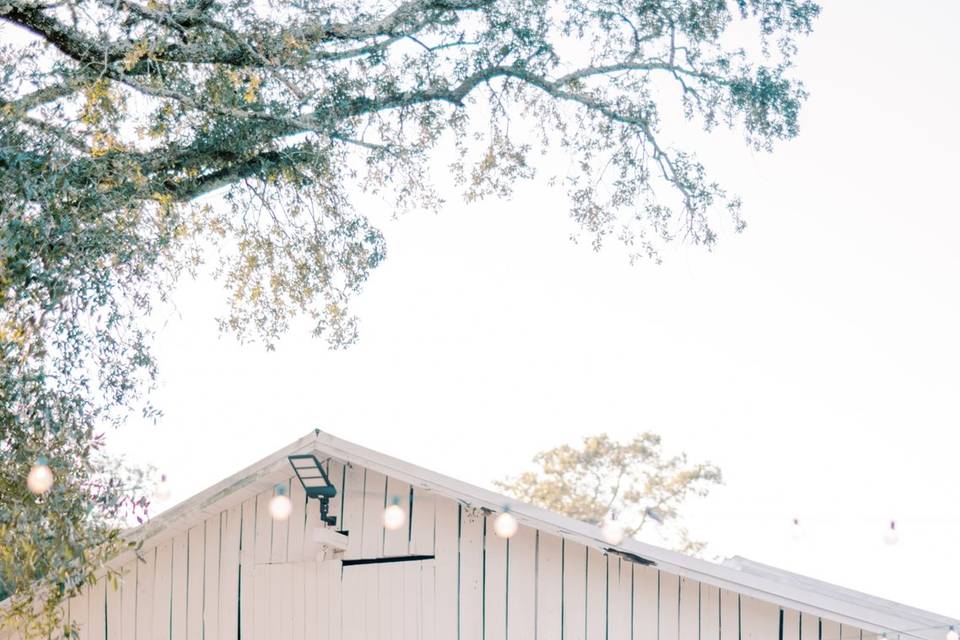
(40, 478)
(612, 531)
(505, 525)
(393, 517)
(280, 505)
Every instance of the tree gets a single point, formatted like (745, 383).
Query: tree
(138, 138)
(634, 482)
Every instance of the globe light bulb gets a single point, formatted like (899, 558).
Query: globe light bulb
(40, 478)
(612, 531)
(280, 505)
(952, 634)
(161, 493)
(393, 516)
(891, 536)
(505, 525)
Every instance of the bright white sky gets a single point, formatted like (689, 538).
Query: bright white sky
(815, 358)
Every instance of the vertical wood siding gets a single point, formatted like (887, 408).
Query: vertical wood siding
(239, 575)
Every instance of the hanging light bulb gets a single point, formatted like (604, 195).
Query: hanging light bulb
(280, 505)
(952, 634)
(612, 531)
(891, 536)
(40, 478)
(393, 515)
(505, 524)
(161, 493)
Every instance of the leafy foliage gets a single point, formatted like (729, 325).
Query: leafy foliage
(635, 482)
(118, 117)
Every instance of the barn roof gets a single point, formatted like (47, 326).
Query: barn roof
(737, 574)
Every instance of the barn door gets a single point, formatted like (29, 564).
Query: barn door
(331, 600)
(388, 601)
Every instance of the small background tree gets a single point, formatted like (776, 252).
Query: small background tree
(635, 480)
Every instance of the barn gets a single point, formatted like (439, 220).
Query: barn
(219, 566)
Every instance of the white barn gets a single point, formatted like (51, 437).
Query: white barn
(218, 567)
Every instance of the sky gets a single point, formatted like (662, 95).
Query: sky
(815, 357)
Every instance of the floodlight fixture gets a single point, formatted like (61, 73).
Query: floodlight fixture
(316, 483)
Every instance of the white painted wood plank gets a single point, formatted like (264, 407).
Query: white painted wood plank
(280, 614)
(354, 601)
(335, 594)
(79, 608)
(298, 600)
(97, 610)
(471, 574)
(278, 541)
(428, 580)
(729, 615)
(161, 591)
(396, 542)
(114, 606)
(248, 537)
(689, 618)
(495, 584)
(128, 600)
(669, 606)
(549, 586)
(178, 588)
(316, 601)
(574, 591)
(374, 500)
(646, 602)
(447, 587)
(229, 605)
(297, 522)
(211, 577)
(848, 632)
(619, 610)
(829, 630)
(313, 628)
(382, 606)
(353, 510)
(261, 602)
(710, 613)
(809, 627)
(422, 522)
(391, 601)
(412, 605)
(145, 575)
(263, 531)
(522, 584)
(760, 620)
(195, 545)
(791, 625)
(371, 593)
(323, 609)
(596, 595)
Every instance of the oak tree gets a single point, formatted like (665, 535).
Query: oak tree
(140, 137)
